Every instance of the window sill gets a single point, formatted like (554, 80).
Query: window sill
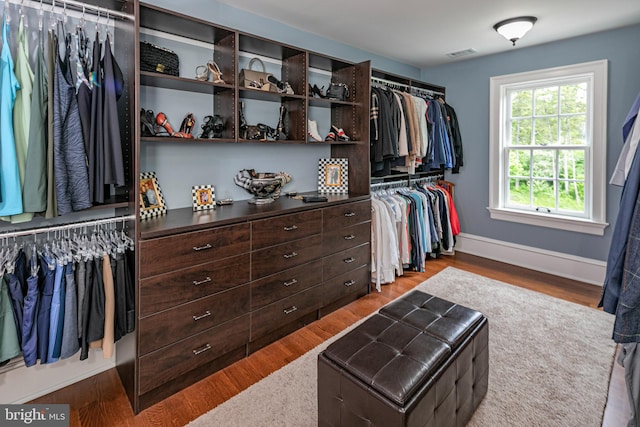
(549, 221)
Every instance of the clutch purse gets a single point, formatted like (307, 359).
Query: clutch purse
(158, 59)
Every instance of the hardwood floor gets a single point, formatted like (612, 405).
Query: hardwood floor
(101, 400)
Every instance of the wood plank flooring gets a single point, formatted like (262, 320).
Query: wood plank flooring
(101, 400)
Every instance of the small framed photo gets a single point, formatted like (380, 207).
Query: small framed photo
(151, 199)
(333, 176)
(204, 197)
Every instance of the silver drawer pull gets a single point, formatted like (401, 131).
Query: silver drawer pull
(201, 248)
(290, 310)
(349, 283)
(202, 316)
(349, 214)
(196, 283)
(292, 228)
(291, 255)
(349, 260)
(291, 282)
(349, 237)
(202, 350)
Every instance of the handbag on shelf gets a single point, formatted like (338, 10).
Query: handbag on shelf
(158, 59)
(337, 91)
(254, 78)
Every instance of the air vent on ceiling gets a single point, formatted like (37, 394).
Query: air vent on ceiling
(461, 53)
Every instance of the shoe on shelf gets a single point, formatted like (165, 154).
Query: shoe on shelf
(215, 72)
(317, 91)
(340, 135)
(330, 137)
(312, 130)
(163, 122)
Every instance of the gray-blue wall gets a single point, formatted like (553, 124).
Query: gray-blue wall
(467, 84)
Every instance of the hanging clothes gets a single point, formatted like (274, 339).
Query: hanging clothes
(9, 345)
(71, 175)
(113, 83)
(95, 155)
(10, 187)
(35, 182)
(22, 113)
(408, 226)
(52, 202)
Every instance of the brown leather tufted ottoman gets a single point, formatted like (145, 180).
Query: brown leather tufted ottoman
(421, 361)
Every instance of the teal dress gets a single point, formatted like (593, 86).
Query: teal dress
(10, 186)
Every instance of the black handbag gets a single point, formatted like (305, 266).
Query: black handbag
(158, 59)
(337, 91)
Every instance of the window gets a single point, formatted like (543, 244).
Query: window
(547, 138)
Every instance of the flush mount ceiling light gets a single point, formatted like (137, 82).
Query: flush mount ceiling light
(515, 28)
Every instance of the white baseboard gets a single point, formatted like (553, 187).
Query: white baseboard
(564, 265)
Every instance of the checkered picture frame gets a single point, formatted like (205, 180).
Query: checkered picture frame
(333, 176)
(158, 209)
(197, 203)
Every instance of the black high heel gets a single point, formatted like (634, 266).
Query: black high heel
(317, 91)
(280, 135)
(243, 122)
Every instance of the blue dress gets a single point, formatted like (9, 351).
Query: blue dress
(10, 186)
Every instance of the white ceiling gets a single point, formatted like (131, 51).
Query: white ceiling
(422, 32)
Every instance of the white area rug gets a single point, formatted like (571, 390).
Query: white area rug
(550, 362)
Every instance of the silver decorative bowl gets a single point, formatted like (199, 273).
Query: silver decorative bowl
(264, 186)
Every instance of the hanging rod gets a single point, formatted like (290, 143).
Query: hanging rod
(89, 223)
(79, 6)
(409, 87)
(389, 82)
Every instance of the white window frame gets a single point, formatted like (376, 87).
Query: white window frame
(595, 161)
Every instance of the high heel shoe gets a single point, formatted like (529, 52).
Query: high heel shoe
(340, 135)
(215, 72)
(312, 130)
(243, 122)
(187, 126)
(318, 91)
(163, 122)
(280, 135)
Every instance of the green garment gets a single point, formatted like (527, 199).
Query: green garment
(22, 113)
(34, 197)
(9, 345)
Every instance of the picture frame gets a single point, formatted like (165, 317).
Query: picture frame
(333, 176)
(203, 197)
(152, 203)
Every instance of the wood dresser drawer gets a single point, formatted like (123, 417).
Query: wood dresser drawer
(180, 322)
(351, 282)
(339, 239)
(168, 290)
(288, 282)
(346, 215)
(287, 255)
(346, 260)
(172, 253)
(285, 311)
(170, 362)
(285, 228)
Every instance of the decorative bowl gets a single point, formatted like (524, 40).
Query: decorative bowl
(264, 186)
